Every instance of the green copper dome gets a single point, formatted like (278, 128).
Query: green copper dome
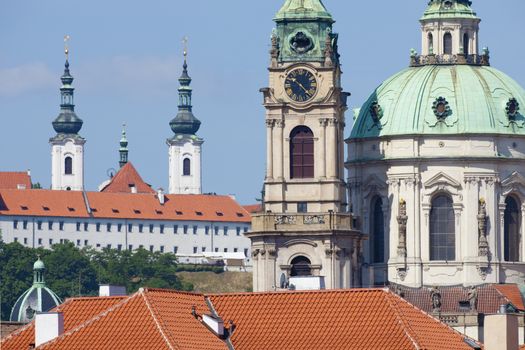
(38, 298)
(303, 9)
(443, 99)
(443, 9)
(185, 123)
(67, 122)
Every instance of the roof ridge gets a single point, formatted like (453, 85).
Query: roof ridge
(405, 326)
(90, 321)
(297, 292)
(173, 291)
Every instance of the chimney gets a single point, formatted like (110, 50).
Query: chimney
(48, 326)
(215, 324)
(501, 331)
(28, 172)
(107, 290)
(160, 196)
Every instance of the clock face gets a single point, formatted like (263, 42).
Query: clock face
(300, 85)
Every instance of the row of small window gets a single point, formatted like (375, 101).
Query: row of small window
(130, 247)
(140, 227)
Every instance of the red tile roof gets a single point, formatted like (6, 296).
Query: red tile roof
(253, 208)
(339, 319)
(512, 293)
(139, 206)
(76, 311)
(125, 179)
(12, 180)
(149, 319)
(345, 319)
(489, 297)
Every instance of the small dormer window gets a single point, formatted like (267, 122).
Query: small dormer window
(447, 5)
(441, 108)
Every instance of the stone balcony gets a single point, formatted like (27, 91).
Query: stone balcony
(320, 223)
(473, 60)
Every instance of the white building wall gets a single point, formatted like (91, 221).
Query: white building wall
(180, 149)
(206, 237)
(59, 151)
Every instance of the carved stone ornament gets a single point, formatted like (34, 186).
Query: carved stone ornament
(274, 51)
(483, 244)
(435, 298)
(473, 298)
(402, 273)
(512, 108)
(272, 252)
(256, 252)
(301, 43)
(402, 219)
(314, 220)
(441, 108)
(329, 49)
(376, 111)
(286, 220)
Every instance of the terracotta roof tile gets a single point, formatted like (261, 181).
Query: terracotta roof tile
(76, 311)
(345, 319)
(11, 180)
(153, 320)
(512, 293)
(125, 179)
(253, 208)
(489, 298)
(139, 206)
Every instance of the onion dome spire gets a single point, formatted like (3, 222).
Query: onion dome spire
(67, 122)
(185, 122)
(123, 148)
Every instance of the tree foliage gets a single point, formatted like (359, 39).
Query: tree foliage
(78, 272)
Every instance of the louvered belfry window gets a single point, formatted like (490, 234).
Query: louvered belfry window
(301, 153)
(68, 166)
(186, 171)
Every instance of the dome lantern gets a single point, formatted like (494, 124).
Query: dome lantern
(449, 31)
(38, 298)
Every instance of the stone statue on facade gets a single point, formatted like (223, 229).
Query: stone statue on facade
(435, 297)
(473, 298)
(329, 49)
(402, 219)
(275, 50)
(483, 244)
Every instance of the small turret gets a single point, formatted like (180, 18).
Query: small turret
(123, 151)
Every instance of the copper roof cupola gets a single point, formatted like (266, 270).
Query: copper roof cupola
(67, 122)
(185, 123)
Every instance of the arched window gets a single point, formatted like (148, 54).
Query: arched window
(186, 167)
(430, 43)
(301, 153)
(68, 166)
(442, 229)
(377, 232)
(512, 227)
(466, 44)
(301, 266)
(447, 43)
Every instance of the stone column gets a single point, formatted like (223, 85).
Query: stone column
(269, 148)
(322, 152)
(331, 154)
(279, 154)
(500, 239)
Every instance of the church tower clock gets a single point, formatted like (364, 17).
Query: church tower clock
(305, 235)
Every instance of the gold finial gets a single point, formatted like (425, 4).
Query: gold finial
(185, 43)
(66, 46)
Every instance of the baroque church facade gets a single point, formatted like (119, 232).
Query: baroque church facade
(434, 192)
(436, 160)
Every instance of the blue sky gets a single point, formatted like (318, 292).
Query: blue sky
(126, 58)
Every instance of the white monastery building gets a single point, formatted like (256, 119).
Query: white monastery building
(126, 213)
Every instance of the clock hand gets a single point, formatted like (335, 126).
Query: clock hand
(301, 85)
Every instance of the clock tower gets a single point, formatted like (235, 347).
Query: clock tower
(305, 235)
